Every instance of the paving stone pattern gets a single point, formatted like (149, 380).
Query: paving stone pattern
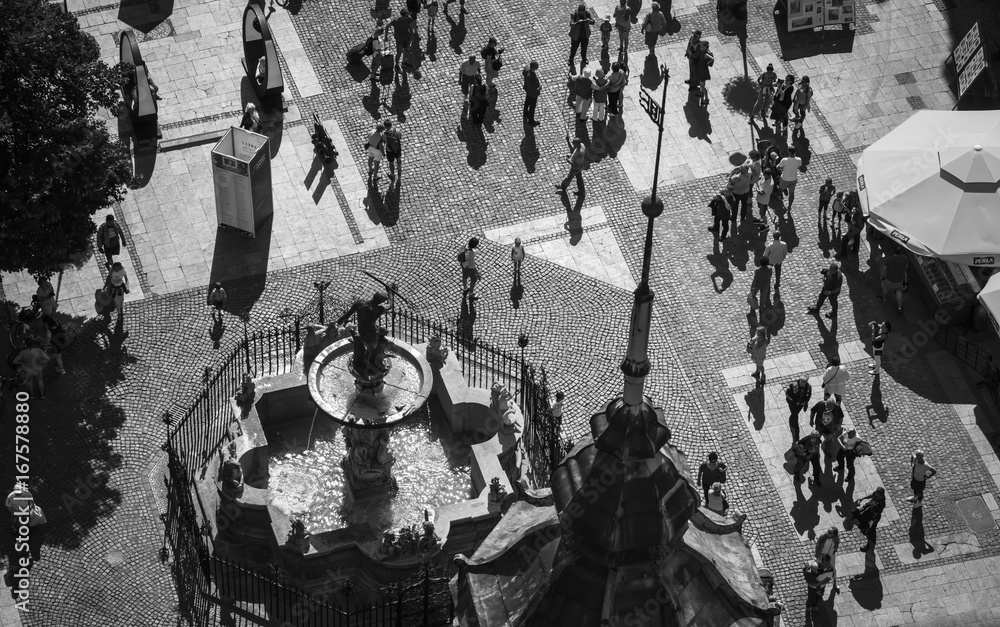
(102, 419)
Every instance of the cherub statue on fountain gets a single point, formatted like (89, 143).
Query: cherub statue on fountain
(407, 541)
(369, 339)
(389, 548)
(429, 541)
(231, 474)
(248, 392)
(436, 354)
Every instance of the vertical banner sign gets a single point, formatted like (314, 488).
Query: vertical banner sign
(241, 169)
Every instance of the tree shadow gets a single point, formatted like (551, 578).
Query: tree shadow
(529, 149)
(740, 95)
(77, 429)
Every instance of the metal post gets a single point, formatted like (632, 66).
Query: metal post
(245, 317)
(321, 288)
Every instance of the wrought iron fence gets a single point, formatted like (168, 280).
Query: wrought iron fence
(207, 581)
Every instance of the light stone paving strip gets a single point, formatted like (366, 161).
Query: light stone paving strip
(765, 413)
(296, 61)
(355, 189)
(783, 366)
(588, 247)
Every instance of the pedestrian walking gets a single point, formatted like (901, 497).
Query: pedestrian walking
(705, 61)
(600, 87)
(393, 150)
(765, 92)
(775, 253)
(756, 167)
(468, 72)
(583, 87)
(606, 29)
(491, 62)
(470, 272)
(617, 81)
(579, 33)
(797, 396)
(839, 209)
(652, 26)
(806, 452)
(117, 287)
(827, 545)
(849, 451)
(801, 102)
(760, 286)
(375, 147)
(577, 161)
(710, 472)
(740, 182)
(517, 256)
(868, 516)
(217, 299)
(851, 242)
(31, 361)
(691, 54)
(920, 472)
(557, 408)
(432, 10)
(880, 333)
(828, 419)
(401, 32)
(765, 188)
(378, 43)
(721, 210)
(40, 331)
(789, 174)
(817, 577)
(826, 192)
(783, 99)
(45, 295)
(623, 24)
(413, 8)
(893, 273)
(835, 380)
(532, 89)
(110, 239)
(757, 347)
(833, 280)
(479, 103)
(716, 499)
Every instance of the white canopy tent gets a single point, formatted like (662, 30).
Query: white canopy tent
(932, 183)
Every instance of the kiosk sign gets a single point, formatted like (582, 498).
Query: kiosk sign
(241, 169)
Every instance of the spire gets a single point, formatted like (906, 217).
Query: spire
(635, 366)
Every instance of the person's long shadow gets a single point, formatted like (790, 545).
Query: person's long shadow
(722, 277)
(432, 45)
(457, 33)
(467, 321)
(867, 588)
(216, 332)
(516, 294)
(373, 101)
(529, 149)
(475, 141)
(401, 96)
(805, 511)
(918, 538)
(492, 116)
(829, 344)
(825, 239)
(737, 247)
(755, 404)
(876, 408)
(652, 76)
(614, 135)
(697, 117)
(574, 217)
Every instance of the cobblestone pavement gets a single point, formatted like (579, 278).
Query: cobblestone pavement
(101, 421)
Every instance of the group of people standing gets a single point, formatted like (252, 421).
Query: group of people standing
(782, 99)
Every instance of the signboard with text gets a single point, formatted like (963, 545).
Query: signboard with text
(241, 171)
(809, 14)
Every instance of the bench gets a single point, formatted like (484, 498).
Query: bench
(143, 108)
(257, 45)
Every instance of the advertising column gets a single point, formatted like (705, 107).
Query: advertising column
(241, 168)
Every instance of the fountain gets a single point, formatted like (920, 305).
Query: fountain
(369, 383)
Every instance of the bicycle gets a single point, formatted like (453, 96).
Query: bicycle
(17, 328)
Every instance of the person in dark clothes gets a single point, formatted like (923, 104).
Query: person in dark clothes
(480, 102)
(797, 396)
(711, 471)
(868, 516)
(579, 33)
(532, 89)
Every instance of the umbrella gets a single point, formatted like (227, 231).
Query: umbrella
(932, 183)
(990, 298)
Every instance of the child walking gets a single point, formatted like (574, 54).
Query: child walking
(517, 256)
(839, 209)
(826, 192)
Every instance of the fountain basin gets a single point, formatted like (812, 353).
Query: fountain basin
(405, 387)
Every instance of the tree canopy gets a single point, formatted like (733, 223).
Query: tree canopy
(58, 164)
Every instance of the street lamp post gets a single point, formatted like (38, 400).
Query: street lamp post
(245, 318)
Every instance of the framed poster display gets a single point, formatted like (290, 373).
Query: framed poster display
(808, 14)
(241, 171)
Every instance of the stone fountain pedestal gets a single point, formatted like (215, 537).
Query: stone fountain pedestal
(368, 403)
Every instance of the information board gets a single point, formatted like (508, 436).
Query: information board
(241, 171)
(972, 70)
(809, 14)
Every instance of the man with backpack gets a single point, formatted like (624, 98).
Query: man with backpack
(721, 208)
(110, 238)
(470, 274)
(393, 150)
(851, 447)
(797, 396)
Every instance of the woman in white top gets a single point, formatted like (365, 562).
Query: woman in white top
(117, 287)
(835, 380)
(920, 472)
(374, 147)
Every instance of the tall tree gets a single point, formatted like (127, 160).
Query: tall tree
(58, 164)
